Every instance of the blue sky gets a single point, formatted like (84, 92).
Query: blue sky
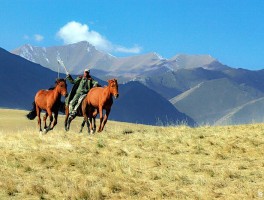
(231, 31)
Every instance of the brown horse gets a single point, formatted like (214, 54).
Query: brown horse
(99, 99)
(48, 100)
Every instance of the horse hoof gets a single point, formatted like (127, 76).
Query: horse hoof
(67, 128)
(45, 131)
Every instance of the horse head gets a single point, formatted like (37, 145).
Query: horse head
(113, 85)
(61, 87)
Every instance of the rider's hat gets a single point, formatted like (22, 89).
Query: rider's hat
(87, 70)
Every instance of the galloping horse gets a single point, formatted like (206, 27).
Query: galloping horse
(99, 99)
(48, 100)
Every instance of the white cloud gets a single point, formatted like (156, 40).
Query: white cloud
(74, 32)
(38, 37)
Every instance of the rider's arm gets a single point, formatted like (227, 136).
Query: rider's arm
(94, 83)
(73, 81)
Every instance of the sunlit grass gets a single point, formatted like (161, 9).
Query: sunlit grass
(129, 161)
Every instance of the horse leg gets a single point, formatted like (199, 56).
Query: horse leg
(86, 112)
(93, 115)
(101, 119)
(55, 120)
(39, 120)
(90, 128)
(66, 118)
(95, 112)
(105, 118)
(82, 125)
(44, 119)
(51, 119)
(90, 125)
(88, 120)
(94, 124)
(68, 123)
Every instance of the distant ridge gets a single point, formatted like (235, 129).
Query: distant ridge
(80, 55)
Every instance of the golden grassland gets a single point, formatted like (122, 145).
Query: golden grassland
(129, 161)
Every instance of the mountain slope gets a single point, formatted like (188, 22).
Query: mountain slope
(209, 101)
(21, 79)
(171, 83)
(251, 112)
(146, 107)
(250, 78)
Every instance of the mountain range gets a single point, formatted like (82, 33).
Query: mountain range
(199, 86)
(82, 54)
(21, 79)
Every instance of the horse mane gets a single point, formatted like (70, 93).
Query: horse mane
(51, 88)
(56, 82)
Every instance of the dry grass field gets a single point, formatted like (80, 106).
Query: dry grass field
(129, 161)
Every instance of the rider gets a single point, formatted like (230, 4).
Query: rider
(82, 85)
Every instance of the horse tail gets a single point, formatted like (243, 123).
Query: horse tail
(33, 113)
